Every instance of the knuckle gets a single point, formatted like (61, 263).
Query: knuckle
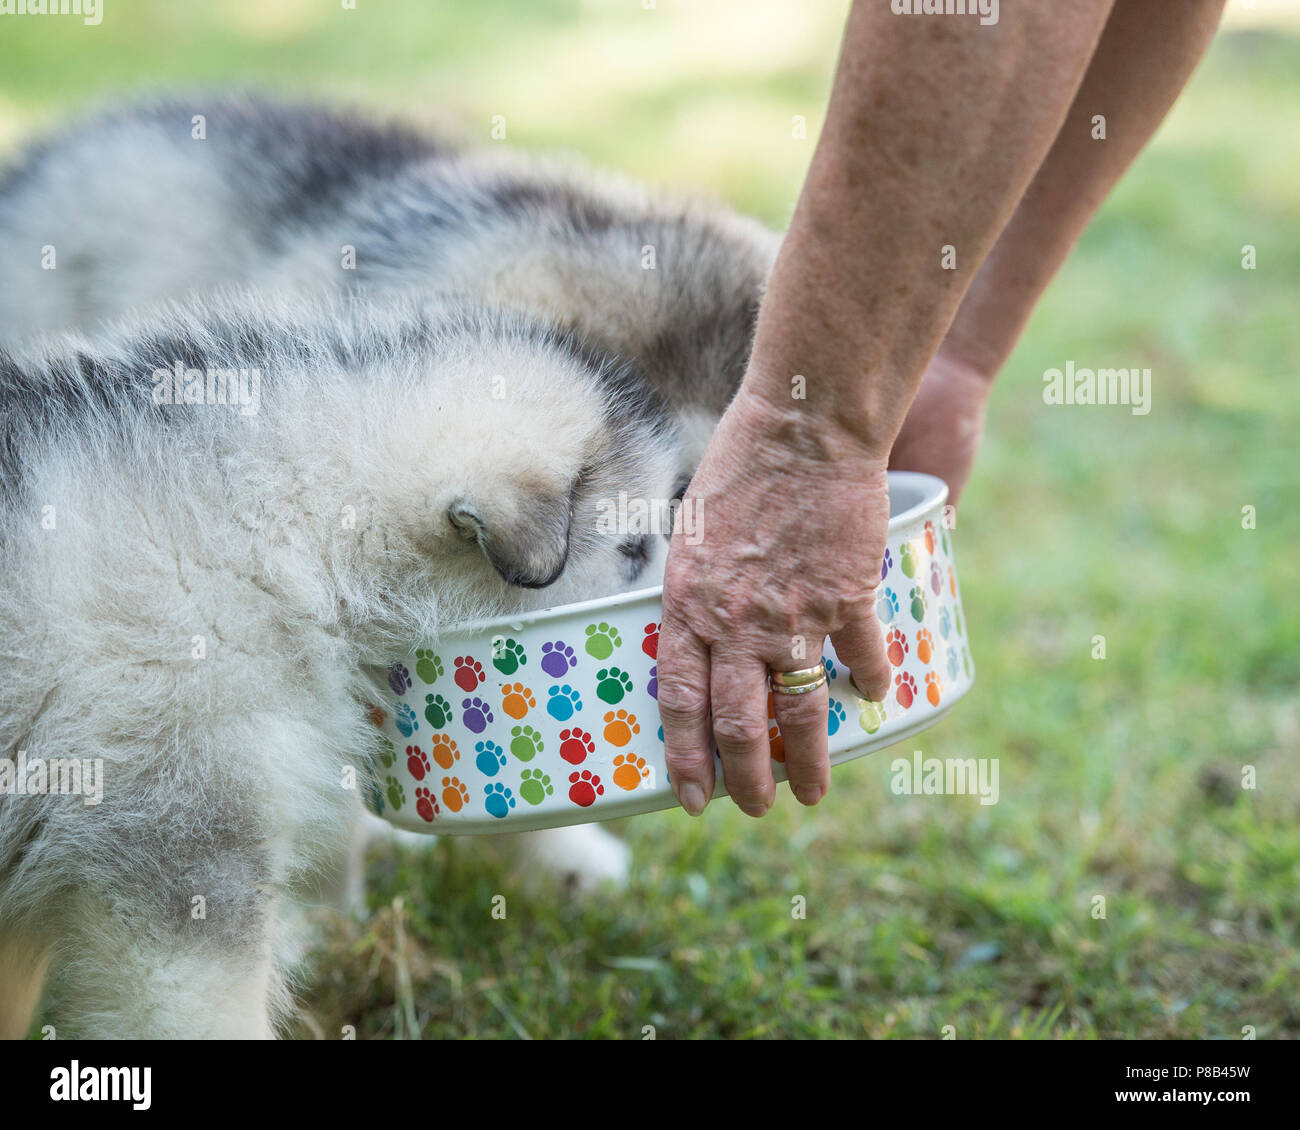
(681, 700)
(743, 733)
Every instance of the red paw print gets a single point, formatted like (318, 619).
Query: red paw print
(584, 788)
(575, 744)
(906, 690)
(650, 645)
(469, 672)
(425, 805)
(896, 647)
(417, 762)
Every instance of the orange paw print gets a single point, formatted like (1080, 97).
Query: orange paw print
(933, 688)
(454, 793)
(619, 728)
(445, 751)
(517, 699)
(929, 537)
(775, 742)
(375, 715)
(952, 581)
(629, 771)
(924, 645)
(896, 647)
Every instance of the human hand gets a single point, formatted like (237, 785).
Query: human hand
(793, 516)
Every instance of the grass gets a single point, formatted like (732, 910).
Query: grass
(1120, 777)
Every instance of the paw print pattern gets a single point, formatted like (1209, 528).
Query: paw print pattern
(630, 771)
(620, 726)
(534, 786)
(454, 793)
(517, 699)
(929, 537)
(428, 666)
(924, 645)
(936, 578)
(650, 644)
(425, 805)
(437, 710)
(417, 762)
(952, 581)
(499, 800)
(477, 715)
(945, 622)
(575, 745)
(612, 685)
(399, 678)
(835, 717)
(933, 688)
(525, 742)
(405, 720)
(652, 687)
(904, 689)
(396, 794)
(386, 753)
(896, 647)
(886, 605)
(602, 640)
(584, 788)
(562, 702)
(376, 716)
(829, 664)
(445, 751)
(871, 715)
(508, 656)
(886, 563)
(557, 659)
(491, 758)
(953, 664)
(775, 742)
(468, 673)
(907, 559)
(917, 597)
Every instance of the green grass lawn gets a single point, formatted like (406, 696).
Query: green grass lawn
(1120, 777)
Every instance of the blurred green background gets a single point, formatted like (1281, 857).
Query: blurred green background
(1119, 777)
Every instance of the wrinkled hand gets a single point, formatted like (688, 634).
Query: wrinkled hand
(792, 514)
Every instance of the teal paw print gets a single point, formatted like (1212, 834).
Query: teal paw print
(917, 597)
(508, 656)
(562, 702)
(437, 710)
(396, 794)
(534, 786)
(835, 717)
(886, 605)
(405, 721)
(500, 800)
(907, 559)
(525, 742)
(871, 715)
(612, 685)
(374, 795)
(386, 754)
(602, 640)
(428, 666)
(491, 758)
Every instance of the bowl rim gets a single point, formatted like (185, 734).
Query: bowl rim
(934, 493)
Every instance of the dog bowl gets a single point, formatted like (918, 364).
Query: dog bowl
(550, 717)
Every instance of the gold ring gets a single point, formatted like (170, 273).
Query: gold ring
(803, 681)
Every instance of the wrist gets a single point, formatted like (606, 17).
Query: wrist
(817, 433)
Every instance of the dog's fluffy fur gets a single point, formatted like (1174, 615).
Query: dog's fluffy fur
(195, 595)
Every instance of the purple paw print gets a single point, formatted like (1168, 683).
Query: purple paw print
(557, 658)
(936, 578)
(652, 687)
(477, 714)
(399, 678)
(887, 563)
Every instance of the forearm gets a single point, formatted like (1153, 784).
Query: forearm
(1146, 54)
(936, 126)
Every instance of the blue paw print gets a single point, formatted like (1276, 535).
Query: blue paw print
(886, 563)
(945, 622)
(477, 715)
(661, 735)
(952, 663)
(831, 672)
(835, 718)
(491, 757)
(886, 605)
(562, 701)
(406, 721)
(500, 800)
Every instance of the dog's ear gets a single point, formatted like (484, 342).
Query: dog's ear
(525, 535)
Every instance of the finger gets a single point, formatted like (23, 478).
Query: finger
(738, 688)
(860, 644)
(802, 719)
(683, 692)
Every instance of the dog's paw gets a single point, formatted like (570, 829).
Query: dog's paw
(581, 859)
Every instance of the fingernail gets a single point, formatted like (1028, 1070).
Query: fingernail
(755, 810)
(692, 798)
(808, 794)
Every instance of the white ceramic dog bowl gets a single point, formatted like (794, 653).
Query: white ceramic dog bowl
(550, 717)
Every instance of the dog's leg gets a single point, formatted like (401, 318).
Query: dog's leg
(581, 858)
(22, 974)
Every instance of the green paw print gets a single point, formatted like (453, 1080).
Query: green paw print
(374, 795)
(602, 640)
(428, 666)
(956, 616)
(917, 597)
(965, 661)
(525, 742)
(943, 538)
(534, 786)
(438, 710)
(386, 754)
(396, 794)
(907, 559)
(612, 685)
(871, 715)
(508, 656)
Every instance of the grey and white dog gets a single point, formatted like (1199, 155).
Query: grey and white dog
(404, 379)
